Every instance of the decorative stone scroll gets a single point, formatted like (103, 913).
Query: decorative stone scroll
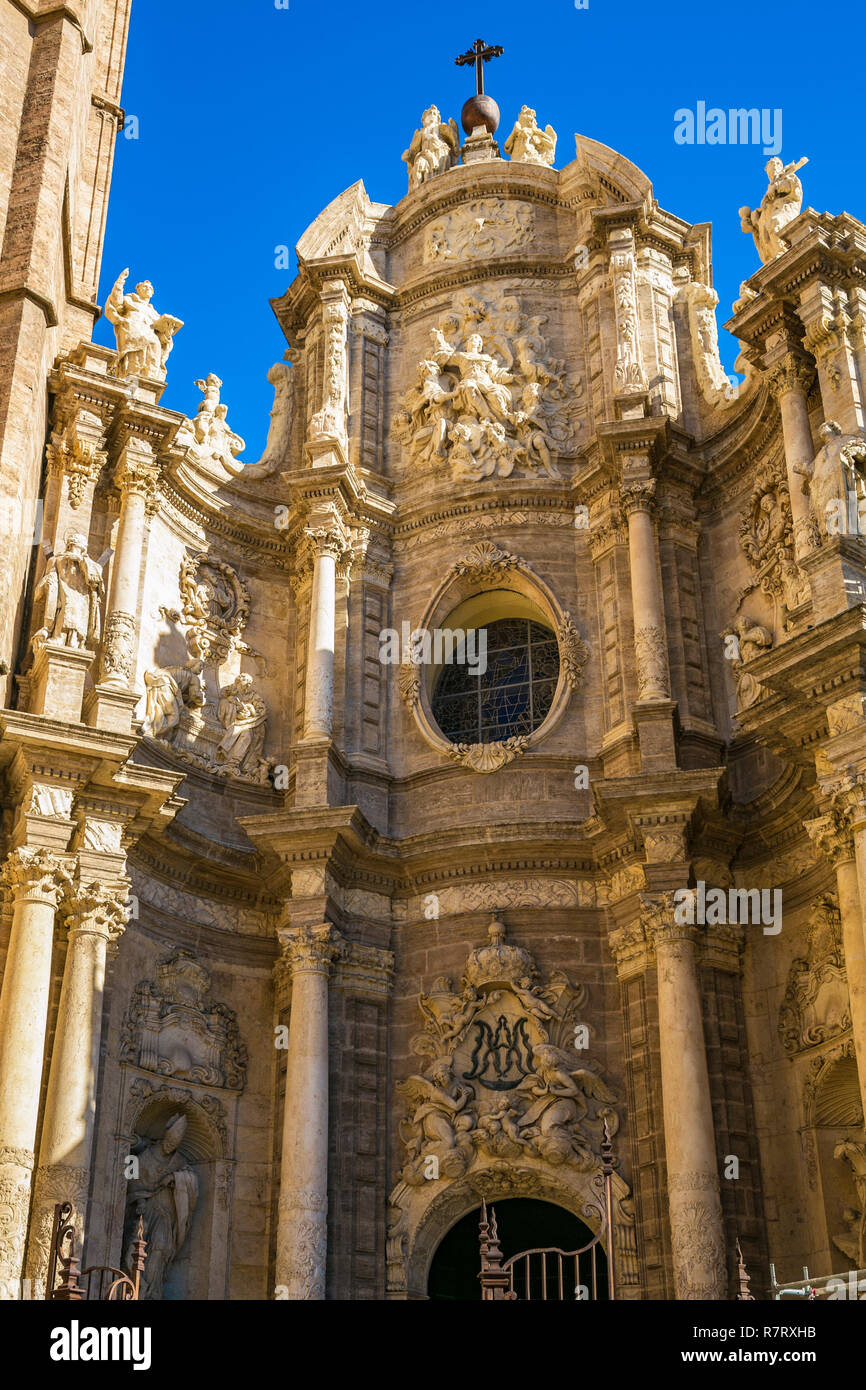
(504, 1080)
(816, 1007)
(489, 401)
(174, 1029)
(714, 384)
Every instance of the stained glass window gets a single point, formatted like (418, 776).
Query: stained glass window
(514, 694)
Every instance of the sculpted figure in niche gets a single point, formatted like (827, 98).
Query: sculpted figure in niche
(527, 144)
(168, 689)
(242, 714)
(165, 1195)
(433, 149)
(72, 587)
(853, 1243)
(780, 205)
(144, 337)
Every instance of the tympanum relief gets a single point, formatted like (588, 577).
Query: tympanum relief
(504, 1079)
(489, 401)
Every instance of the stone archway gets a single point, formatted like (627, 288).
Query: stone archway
(524, 1223)
(421, 1217)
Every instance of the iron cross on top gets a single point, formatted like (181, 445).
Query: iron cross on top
(479, 54)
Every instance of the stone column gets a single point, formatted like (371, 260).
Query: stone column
(36, 878)
(697, 1233)
(328, 544)
(95, 917)
(649, 623)
(115, 696)
(302, 1230)
(789, 377)
(833, 835)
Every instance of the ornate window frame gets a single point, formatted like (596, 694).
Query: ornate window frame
(486, 571)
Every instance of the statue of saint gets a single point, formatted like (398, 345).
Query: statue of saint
(169, 688)
(242, 714)
(73, 589)
(144, 337)
(164, 1194)
(527, 143)
(780, 205)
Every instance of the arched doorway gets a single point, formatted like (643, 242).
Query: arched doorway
(524, 1224)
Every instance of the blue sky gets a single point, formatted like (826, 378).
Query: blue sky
(251, 118)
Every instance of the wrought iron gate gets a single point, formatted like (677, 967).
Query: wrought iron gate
(68, 1284)
(548, 1274)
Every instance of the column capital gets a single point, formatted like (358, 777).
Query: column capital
(792, 371)
(96, 909)
(638, 495)
(36, 875)
(659, 920)
(328, 538)
(831, 834)
(848, 798)
(310, 950)
(137, 475)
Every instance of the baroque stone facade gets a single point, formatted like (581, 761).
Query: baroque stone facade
(251, 989)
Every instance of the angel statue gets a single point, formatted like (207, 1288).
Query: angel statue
(558, 1105)
(144, 337)
(73, 589)
(438, 1123)
(527, 143)
(780, 205)
(242, 714)
(164, 1194)
(169, 688)
(433, 149)
(422, 418)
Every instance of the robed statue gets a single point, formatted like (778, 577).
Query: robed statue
(164, 1195)
(72, 588)
(144, 336)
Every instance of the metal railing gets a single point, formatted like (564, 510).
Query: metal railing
(67, 1283)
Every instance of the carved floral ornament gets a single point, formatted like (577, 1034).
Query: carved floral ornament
(486, 565)
(767, 539)
(816, 1006)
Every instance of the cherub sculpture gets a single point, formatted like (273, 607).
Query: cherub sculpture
(558, 1105)
(527, 143)
(438, 1123)
(434, 148)
(780, 205)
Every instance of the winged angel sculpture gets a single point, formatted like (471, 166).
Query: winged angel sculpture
(487, 399)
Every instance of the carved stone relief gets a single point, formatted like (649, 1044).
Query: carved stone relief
(218, 728)
(815, 1007)
(489, 402)
(485, 228)
(767, 539)
(174, 1029)
(503, 1079)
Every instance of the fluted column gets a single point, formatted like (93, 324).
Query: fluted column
(328, 543)
(789, 377)
(302, 1231)
(36, 878)
(832, 834)
(694, 1203)
(649, 623)
(95, 917)
(136, 477)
